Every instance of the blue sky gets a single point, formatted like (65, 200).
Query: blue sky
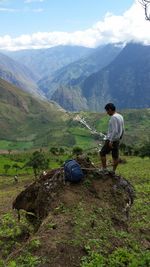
(46, 23)
(26, 17)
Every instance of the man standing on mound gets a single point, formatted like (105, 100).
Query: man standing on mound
(114, 134)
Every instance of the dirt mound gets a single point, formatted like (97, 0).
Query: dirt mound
(38, 198)
(70, 216)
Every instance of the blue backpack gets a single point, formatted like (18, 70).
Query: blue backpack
(72, 171)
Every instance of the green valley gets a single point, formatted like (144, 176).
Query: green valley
(27, 122)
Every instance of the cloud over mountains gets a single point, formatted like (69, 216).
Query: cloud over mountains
(131, 26)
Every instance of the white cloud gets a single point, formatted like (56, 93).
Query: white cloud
(7, 9)
(131, 26)
(31, 1)
(38, 10)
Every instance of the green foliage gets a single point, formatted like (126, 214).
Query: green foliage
(16, 163)
(77, 150)
(2, 263)
(121, 257)
(87, 182)
(54, 150)
(6, 167)
(12, 232)
(61, 150)
(15, 145)
(16, 167)
(93, 260)
(51, 225)
(26, 260)
(142, 150)
(145, 150)
(34, 244)
(126, 149)
(38, 162)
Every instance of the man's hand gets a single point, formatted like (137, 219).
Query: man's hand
(110, 144)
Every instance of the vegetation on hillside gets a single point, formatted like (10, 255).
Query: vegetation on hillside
(24, 118)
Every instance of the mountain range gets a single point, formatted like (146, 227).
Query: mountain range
(80, 78)
(44, 62)
(124, 81)
(75, 72)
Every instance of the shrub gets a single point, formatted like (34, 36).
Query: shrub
(94, 260)
(77, 150)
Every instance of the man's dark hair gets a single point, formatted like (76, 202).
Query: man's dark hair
(110, 106)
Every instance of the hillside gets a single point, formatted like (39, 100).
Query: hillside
(24, 117)
(19, 75)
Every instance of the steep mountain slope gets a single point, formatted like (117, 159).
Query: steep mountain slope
(123, 82)
(17, 74)
(24, 117)
(74, 73)
(45, 61)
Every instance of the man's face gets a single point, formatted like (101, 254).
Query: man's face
(110, 112)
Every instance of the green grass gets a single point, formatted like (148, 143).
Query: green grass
(11, 161)
(15, 145)
(136, 169)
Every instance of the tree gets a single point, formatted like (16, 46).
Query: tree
(146, 5)
(61, 150)
(38, 162)
(54, 150)
(16, 166)
(9, 151)
(145, 150)
(126, 149)
(6, 168)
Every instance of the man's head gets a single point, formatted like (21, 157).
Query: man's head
(110, 109)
